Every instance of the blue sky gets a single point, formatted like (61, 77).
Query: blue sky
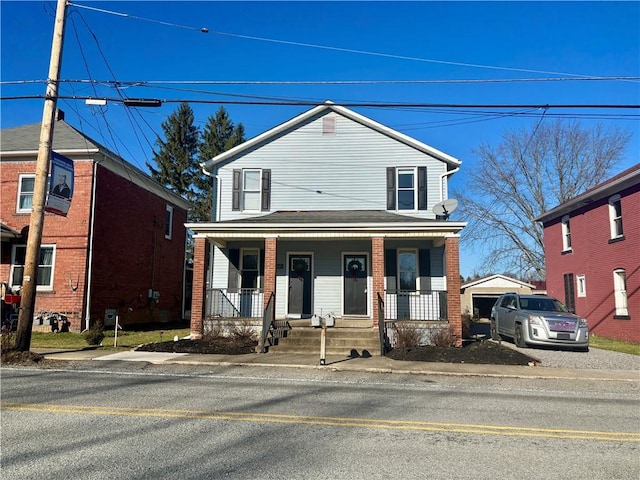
(329, 41)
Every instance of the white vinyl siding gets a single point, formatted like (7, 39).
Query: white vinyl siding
(345, 171)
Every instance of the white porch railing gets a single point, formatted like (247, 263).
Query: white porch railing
(234, 302)
(422, 305)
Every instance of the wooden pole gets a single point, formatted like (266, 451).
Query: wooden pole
(32, 255)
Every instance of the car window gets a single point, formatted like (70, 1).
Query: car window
(543, 305)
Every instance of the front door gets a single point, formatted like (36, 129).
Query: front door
(355, 284)
(300, 285)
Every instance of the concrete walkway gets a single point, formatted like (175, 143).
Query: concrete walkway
(373, 364)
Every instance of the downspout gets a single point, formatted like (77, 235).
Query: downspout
(87, 313)
(446, 174)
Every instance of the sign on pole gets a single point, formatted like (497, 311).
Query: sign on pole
(60, 186)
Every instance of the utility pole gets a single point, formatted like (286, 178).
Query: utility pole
(32, 256)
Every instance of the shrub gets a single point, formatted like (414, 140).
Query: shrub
(466, 325)
(406, 335)
(244, 332)
(95, 334)
(442, 337)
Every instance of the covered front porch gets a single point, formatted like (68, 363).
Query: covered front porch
(367, 267)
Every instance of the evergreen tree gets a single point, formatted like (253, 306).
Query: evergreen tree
(177, 155)
(219, 135)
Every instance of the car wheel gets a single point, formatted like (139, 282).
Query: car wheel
(494, 331)
(517, 337)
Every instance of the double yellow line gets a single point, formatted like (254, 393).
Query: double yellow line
(326, 421)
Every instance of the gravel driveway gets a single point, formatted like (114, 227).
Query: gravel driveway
(593, 359)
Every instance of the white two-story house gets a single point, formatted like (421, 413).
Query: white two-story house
(329, 212)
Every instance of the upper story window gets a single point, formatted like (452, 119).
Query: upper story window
(251, 190)
(620, 292)
(615, 216)
(26, 186)
(168, 223)
(566, 233)
(407, 188)
(45, 266)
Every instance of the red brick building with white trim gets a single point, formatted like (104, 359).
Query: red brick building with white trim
(592, 251)
(120, 248)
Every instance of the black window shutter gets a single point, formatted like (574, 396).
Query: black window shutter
(391, 188)
(266, 190)
(424, 268)
(261, 271)
(391, 269)
(422, 188)
(569, 292)
(234, 265)
(237, 187)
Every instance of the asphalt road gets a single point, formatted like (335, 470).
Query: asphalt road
(174, 421)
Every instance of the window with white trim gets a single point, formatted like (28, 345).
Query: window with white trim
(581, 283)
(168, 223)
(408, 269)
(566, 234)
(615, 216)
(26, 184)
(46, 263)
(251, 183)
(250, 267)
(406, 188)
(620, 292)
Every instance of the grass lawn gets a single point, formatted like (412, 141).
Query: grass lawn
(615, 345)
(130, 339)
(126, 339)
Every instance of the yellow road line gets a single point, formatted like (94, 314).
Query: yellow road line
(479, 429)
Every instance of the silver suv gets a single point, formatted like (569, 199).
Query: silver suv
(538, 320)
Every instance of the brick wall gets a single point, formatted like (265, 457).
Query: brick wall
(69, 235)
(452, 260)
(130, 252)
(594, 256)
(132, 255)
(377, 260)
(199, 286)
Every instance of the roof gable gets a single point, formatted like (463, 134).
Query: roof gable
(317, 112)
(497, 281)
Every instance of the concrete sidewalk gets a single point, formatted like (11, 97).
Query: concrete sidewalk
(373, 364)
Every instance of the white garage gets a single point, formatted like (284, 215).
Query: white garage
(478, 296)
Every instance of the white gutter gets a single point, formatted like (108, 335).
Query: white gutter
(87, 313)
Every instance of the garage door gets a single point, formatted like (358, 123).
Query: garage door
(482, 304)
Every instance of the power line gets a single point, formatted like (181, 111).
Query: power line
(140, 83)
(290, 103)
(337, 49)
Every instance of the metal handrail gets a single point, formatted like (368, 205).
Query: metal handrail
(267, 322)
(382, 327)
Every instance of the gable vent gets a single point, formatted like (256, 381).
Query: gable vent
(328, 125)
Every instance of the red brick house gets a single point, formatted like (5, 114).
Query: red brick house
(120, 249)
(592, 252)
(329, 213)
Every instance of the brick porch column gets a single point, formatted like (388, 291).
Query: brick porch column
(199, 287)
(452, 260)
(270, 248)
(377, 266)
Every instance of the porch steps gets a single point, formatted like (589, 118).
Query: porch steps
(340, 340)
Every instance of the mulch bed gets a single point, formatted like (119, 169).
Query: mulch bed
(218, 345)
(481, 352)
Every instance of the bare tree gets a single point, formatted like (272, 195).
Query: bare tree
(528, 173)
